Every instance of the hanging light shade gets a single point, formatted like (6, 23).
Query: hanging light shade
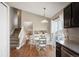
(45, 20)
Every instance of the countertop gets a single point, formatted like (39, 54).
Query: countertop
(74, 46)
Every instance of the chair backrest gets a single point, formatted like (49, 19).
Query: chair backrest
(42, 41)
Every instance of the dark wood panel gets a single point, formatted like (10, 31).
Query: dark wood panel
(67, 16)
(58, 50)
(75, 14)
(71, 15)
(63, 51)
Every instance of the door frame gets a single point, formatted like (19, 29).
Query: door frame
(8, 24)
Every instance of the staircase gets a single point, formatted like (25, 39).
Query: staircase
(14, 41)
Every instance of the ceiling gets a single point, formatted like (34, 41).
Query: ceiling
(37, 7)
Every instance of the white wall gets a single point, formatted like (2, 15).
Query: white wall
(37, 25)
(4, 31)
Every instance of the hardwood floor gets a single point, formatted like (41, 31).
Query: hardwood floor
(31, 51)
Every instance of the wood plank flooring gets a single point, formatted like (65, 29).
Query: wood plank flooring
(28, 51)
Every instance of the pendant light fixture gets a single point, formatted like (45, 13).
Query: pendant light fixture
(45, 20)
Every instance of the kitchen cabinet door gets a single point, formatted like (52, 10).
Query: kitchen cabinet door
(75, 14)
(67, 16)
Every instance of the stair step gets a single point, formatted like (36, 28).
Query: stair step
(14, 39)
(14, 42)
(14, 45)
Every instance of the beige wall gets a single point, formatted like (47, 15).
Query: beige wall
(13, 19)
(36, 19)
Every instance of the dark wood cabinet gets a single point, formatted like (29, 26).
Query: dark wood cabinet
(67, 16)
(63, 51)
(71, 15)
(58, 50)
(75, 14)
